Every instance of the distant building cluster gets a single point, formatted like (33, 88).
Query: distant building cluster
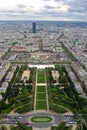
(80, 73)
(3, 69)
(6, 74)
(78, 77)
(19, 49)
(75, 39)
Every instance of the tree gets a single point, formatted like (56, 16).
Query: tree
(62, 79)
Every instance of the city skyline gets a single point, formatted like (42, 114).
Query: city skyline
(56, 10)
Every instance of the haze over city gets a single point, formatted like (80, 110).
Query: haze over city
(66, 10)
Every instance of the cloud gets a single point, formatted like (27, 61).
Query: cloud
(77, 9)
(49, 7)
(46, 0)
(59, 7)
(43, 9)
(21, 6)
(75, 6)
(18, 9)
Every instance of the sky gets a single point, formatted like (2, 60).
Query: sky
(65, 10)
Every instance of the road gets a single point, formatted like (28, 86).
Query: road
(56, 119)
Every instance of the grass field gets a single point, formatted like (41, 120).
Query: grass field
(41, 78)
(40, 73)
(59, 49)
(41, 119)
(41, 89)
(41, 96)
(25, 90)
(41, 105)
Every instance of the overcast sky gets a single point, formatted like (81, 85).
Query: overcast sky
(43, 10)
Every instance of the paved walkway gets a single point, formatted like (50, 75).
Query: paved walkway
(41, 84)
(74, 127)
(46, 91)
(35, 90)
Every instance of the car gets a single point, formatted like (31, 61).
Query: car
(70, 122)
(27, 123)
(11, 117)
(20, 117)
(13, 122)
(75, 122)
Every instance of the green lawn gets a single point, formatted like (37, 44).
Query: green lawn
(41, 96)
(41, 119)
(41, 105)
(40, 73)
(59, 49)
(41, 89)
(25, 90)
(41, 92)
(41, 80)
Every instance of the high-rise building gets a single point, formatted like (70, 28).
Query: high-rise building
(34, 27)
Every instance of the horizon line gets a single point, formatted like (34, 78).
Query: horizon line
(47, 20)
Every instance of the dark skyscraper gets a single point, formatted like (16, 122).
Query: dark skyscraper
(34, 27)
